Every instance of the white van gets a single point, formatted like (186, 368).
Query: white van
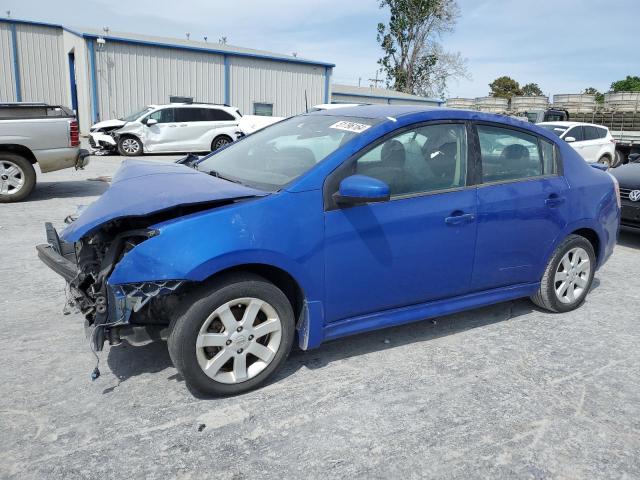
(171, 128)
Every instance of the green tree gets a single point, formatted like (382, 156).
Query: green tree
(629, 84)
(531, 90)
(413, 60)
(594, 91)
(505, 87)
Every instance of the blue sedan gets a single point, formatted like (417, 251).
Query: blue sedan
(330, 224)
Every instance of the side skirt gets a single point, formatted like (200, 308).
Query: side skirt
(424, 311)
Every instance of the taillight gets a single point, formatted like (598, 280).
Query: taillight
(74, 133)
(616, 186)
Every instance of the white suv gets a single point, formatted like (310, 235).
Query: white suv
(172, 128)
(593, 142)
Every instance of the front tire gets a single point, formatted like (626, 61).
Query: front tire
(129, 146)
(220, 141)
(568, 276)
(233, 335)
(17, 178)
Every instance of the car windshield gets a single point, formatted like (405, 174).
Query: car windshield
(280, 153)
(136, 115)
(557, 129)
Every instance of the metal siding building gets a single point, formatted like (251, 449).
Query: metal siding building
(7, 82)
(42, 73)
(281, 84)
(123, 72)
(352, 94)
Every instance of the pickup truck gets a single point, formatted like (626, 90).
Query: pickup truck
(33, 133)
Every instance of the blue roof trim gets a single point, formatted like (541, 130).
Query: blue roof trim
(16, 63)
(41, 24)
(173, 45)
(327, 84)
(208, 50)
(388, 97)
(95, 108)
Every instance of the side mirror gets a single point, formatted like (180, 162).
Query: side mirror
(634, 158)
(569, 139)
(151, 121)
(360, 189)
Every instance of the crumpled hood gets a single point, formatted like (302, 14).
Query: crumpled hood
(107, 124)
(142, 187)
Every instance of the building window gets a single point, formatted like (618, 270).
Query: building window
(264, 109)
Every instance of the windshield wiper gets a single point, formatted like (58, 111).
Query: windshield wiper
(218, 175)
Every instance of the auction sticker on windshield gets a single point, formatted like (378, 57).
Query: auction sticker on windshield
(350, 126)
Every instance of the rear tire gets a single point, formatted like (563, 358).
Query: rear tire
(17, 178)
(215, 343)
(220, 141)
(568, 276)
(130, 146)
(606, 160)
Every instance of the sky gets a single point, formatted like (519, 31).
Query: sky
(563, 46)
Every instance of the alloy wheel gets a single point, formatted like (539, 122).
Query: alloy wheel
(221, 142)
(238, 340)
(12, 178)
(572, 275)
(130, 146)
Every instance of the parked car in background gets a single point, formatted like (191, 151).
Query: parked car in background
(332, 223)
(332, 106)
(171, 128)
(594, 143)
(628, 177)
(35, 133)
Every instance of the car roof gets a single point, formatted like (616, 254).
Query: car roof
(570, 124)
(194, 104)
(375, 111)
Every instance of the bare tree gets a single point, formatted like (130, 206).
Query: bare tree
(414, 61)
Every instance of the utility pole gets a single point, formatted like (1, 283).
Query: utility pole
(375, 81)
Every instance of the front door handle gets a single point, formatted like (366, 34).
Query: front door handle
(183, 124)
(459, 218)
(554, 200)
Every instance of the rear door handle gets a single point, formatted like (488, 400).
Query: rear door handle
(554, 200)
(183, 124)
(459, 218)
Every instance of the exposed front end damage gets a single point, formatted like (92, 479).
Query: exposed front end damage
(87, 265)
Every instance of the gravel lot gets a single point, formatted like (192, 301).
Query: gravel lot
(503, 392)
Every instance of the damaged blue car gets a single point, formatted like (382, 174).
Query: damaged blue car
(329, 224)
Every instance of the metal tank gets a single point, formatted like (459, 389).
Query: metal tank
(622, 101)
(492, 104)
(464, 103)
(575, 102)
(520, 104)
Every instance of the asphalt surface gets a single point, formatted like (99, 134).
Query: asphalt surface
(507, 391)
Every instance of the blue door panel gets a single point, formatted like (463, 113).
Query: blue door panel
(517, 223)
(398, 253)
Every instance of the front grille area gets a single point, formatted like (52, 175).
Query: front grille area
(92, 142)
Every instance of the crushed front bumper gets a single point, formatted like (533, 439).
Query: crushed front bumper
(106, 308)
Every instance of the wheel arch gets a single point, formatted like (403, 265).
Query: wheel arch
(276, 275)
(18, 149)
(592, 236)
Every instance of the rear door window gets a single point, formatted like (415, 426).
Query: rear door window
(508, 154)
(591, 133)
(190, 115)
(575, 132)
